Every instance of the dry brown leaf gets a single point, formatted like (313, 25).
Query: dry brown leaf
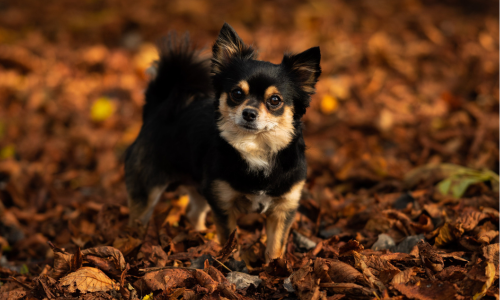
(321, 268)
(424, 224)
(490, 277)
(427, 290)
(228, 248)
(47, 285)
(158, 256)
(447, 234)
(373, 281)
(452, 274)
(352, 245)
(167, 279)
(12, 295)
(65, 262)
(342, 272)
(470, 218)
(350, 289)
(126, 244)
(206, 281)
(490, 252)
(487, 232)
(107, 251)
(87, 279)
(429, 257)
(404, 276)
(305, 283)
(104, 264)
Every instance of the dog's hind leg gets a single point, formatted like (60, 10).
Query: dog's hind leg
(141, 203)
(197, 209)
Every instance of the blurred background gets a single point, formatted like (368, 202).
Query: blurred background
(405, 83)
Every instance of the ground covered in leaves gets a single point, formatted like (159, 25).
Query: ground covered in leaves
(401, 200)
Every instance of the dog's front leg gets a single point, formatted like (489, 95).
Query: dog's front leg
(279, 220)
(278, 225)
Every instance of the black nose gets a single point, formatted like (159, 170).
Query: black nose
(250, 114)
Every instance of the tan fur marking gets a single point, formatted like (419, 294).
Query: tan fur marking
(275, 223)
(271, 90)
(244, 86)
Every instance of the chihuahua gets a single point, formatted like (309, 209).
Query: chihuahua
(229, 131)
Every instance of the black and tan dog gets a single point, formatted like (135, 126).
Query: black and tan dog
(229, 132)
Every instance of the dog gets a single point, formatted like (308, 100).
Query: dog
(229, 131)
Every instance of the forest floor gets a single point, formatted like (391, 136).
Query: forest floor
(401, 200)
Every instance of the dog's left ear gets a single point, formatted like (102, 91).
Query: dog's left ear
(304, 68)
(227, 47)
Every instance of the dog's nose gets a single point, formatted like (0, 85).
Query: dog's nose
(249, 114)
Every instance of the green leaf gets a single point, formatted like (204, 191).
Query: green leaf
(444, 186)
(24, 270)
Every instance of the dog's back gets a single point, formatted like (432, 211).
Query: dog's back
(178, 121)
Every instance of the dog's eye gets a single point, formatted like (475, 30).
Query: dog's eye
(274, 100)
(237, 94)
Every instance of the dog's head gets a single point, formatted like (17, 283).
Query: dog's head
(258, 98)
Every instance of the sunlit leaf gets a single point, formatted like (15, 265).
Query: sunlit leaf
(7, 152)
(87, 279)
(102, 109)
(490, 275)
(148, 297)
(329, 104)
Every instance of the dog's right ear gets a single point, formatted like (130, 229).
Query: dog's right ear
(227, 47)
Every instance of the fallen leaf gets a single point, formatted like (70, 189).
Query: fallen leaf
(373, 281)
(167, 279)
(158, 256)
(304, 283)
(107, 251)
(350, 289)
(228, 248)
(12, 295)
(65, 262)
(429, 257)
(490, 252)
(206, 281)
(329, 104)
(404, 276)
(127, 244)
(490, 274)
(87, 279)
(342, 272)
(102, 109)
(427, 290)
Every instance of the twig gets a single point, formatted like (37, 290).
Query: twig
(222, 264)
(148, 270)
(24, 285)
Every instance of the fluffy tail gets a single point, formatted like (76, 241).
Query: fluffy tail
(181, 77)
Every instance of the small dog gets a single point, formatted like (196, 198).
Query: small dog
(230, 132)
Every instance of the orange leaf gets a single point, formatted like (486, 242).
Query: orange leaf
(87, 279)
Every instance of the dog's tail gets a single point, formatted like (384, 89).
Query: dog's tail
(181, 76)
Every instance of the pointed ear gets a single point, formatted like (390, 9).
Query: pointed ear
(304, 68)
(228, 46)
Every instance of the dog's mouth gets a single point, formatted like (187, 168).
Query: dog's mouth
(248, 127)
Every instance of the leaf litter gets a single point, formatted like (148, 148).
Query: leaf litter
(402, 193)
